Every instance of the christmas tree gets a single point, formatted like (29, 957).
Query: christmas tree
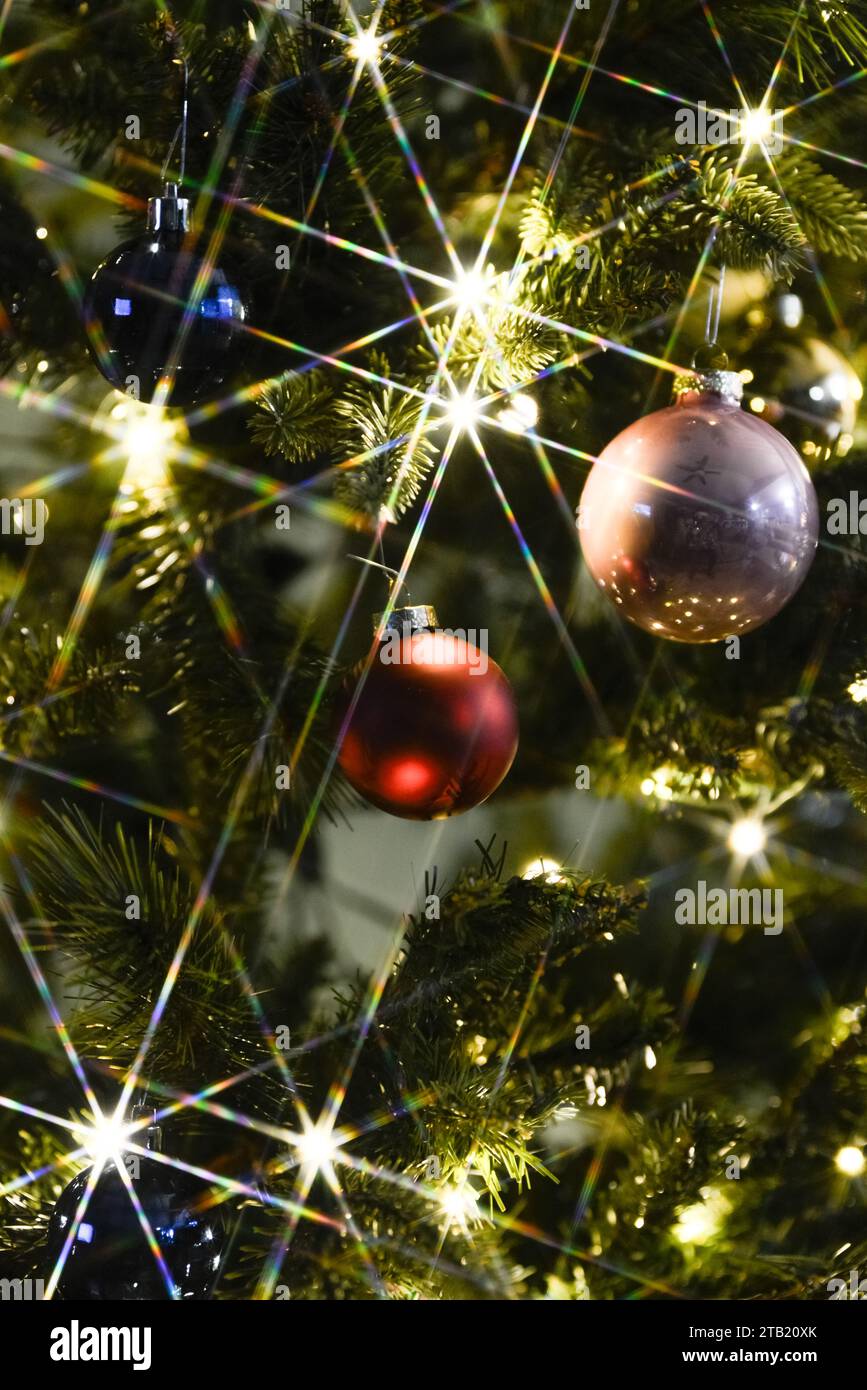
(354, 950)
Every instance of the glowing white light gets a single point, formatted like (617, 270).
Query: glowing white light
(106, 1138)
(858, 690)
(747, 838)
(464, 411)
(756, 126)
(42, 233)
(548, 869)
(366, 47)
(317, 1148)
(459, 1205)
(147, 437)
(471, 289)
(851, 1161)
(658, 783)
(702, 1220)
(521, 414)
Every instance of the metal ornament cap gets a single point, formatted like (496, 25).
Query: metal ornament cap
(417, 617)
(728, 386)
(169, 213)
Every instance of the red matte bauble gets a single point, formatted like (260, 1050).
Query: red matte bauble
(699, 521)
(434, 732)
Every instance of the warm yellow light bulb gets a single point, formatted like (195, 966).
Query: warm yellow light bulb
(106, 1138)
(858, 690)
(850, 1161)
(147, 437)
(756, 126)
(459, 1205)
(702, 1220)
(464, 411)
(471, 289)
(548, 869)
(316, 1148)
(747, 838)
(366, 47)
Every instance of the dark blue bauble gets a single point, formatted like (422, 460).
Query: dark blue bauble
(110, 1259)
(138, 298)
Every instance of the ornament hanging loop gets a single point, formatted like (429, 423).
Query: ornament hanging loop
(710, 356)
(394, 586)
(170, 212)
(181, 131)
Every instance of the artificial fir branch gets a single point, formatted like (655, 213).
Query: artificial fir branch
(117, 912)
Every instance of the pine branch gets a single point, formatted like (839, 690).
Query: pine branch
(294, 417)
(94, 687)
(832, 217)
(88, 882)
(383, 424)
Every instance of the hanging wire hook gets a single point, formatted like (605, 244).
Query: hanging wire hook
(374, 564)
(182, 128)
(714, 308)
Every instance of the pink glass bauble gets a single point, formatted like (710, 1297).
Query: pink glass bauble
(699, 521)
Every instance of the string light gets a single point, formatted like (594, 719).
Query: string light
(317, 1148)
(548, 869)
(747, 838)
(464, 411)
(106, 1138)
(366, 47)
(521, 414)
(756, 126)
(148, 438)
(471, 290)
(701, 1221)
(459, 1205)
(850, 1161)
(658, 783)
(858, 690)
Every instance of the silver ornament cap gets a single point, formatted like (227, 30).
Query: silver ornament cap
(170, 212)
(417, 617)
(711, 381)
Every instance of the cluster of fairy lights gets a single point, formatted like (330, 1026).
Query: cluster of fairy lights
(148, 443)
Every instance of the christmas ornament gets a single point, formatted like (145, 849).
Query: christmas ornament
(109, 1258)
(802, 384)
(434, 730)
(159, 313)
(699, 520)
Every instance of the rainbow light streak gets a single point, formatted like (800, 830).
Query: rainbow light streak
(544, 592)
(55, 171)
(339, 124)
(98, 788)
(718, 40)
(579, 99)
(147, 1229)
(80, 1213)
(522, 1018)
(39, 980)
(89, 589)
(525, 138)
(415, 168)
(53, 41)
(484, 95)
